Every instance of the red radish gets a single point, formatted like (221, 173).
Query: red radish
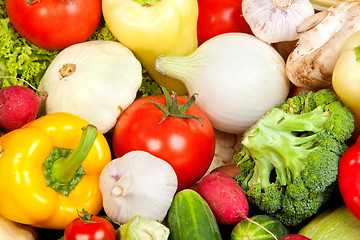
(226, 199)
(18, 106)
(295, 237)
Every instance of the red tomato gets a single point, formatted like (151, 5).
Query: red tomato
(54, 24)
(218, 17)
(349, 178)
(90, 228)
(185, 144)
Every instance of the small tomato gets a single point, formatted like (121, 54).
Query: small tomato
(89, 227)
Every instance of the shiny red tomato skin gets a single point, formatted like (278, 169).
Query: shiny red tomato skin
(54, 24)
(349, 178)
(184, 143)
(80, 230)
(218, 17)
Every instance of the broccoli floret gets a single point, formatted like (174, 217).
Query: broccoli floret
(289, 158)
(269, 198)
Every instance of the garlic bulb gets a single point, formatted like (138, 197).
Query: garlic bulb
(95, 80)
(236, 76)
(137, 183)
(276, 20)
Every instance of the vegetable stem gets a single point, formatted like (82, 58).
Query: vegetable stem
(173, 109)
(121, 187)
(147, 3)
(64, 168)
(357, 53)
(67, 70)
(282, 5)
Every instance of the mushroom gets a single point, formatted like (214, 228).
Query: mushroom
(321, 36)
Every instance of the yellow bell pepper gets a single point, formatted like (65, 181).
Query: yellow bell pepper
(346, 77)
(154, 27)
(49, 169)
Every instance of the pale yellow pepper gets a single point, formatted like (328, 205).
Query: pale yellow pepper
(346, 77)
(151, 28)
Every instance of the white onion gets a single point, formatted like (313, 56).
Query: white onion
(237, 77)
(137, 183)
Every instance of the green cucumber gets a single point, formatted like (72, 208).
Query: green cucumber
(190, 218)
(248, 230)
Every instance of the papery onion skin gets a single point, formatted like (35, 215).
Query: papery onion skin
(237, 77)
(148, 185)
(272, 21)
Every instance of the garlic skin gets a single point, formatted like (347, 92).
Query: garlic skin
(276, 20)
(137, 183)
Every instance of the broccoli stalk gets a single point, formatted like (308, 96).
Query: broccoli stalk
(289, 158)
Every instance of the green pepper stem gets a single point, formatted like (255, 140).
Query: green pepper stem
(63, 168)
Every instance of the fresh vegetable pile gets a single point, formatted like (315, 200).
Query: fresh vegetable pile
(186, 119)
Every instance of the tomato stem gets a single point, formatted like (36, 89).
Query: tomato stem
(172, 107)
(85, 216)
(67, 2)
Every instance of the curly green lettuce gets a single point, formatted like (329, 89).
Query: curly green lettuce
(19, 58)
(103, 33)
(3, 13)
